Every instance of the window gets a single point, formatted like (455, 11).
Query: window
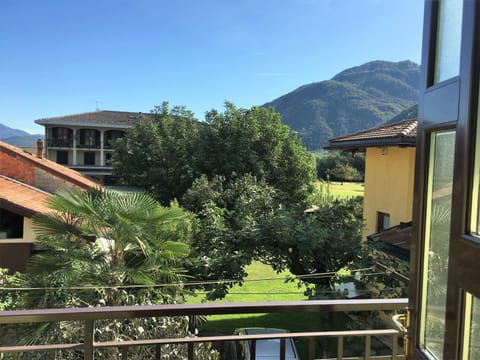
(111, 136)
(89, 138)
(89, 158)
(383, 221)
(62, 157)
(449, 33)
(437, 242)
(61, 137)
(11, 225)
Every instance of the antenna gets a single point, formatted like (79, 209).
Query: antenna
(96, 105)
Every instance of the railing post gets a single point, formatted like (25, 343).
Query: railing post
(158, 351)
(340, 348)
(282, 349)
(190, 351)
(253, 349)
(88, 340)
(368, 345)
(394, 347)
(311, 348)
(124, 352)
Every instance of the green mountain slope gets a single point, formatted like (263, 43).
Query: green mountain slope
(17, 137)
(353, 100)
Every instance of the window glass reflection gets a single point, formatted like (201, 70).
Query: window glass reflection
(449, 33)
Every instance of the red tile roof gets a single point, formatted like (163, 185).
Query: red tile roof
(20, 198)
(69, 175)
(400, 133)
(396, 239)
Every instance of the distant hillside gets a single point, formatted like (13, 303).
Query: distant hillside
(23, 141)
(6, 132)
(410, 113)
(353, 100)
(17, 137)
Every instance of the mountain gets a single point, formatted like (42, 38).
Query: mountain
(26, 141)
(6, 132)
(353, 100)
(410, 113)
(17, 137)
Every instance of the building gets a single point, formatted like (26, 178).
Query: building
(84, 141)
(389, 172)
(26, 181)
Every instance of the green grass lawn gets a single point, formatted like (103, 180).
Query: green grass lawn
(273, 289)
(337, 190)
(262, 284)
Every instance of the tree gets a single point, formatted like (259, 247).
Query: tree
(98, 242)
(254, 141)
(224, 230)
(323, 241)
(158, 154)
(340, 166)
(165, 154)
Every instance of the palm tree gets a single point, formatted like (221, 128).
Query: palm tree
(104, 238)
(97, 242)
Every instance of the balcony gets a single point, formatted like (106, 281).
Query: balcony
(60, 143)
(89, 316)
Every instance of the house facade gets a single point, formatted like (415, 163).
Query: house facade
(83, 142)
(389, 172)
(26, 181)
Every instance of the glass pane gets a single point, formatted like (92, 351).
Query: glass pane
(471, 343)
(437, 239)
(449, 33)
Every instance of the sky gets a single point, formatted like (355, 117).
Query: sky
(60, 57)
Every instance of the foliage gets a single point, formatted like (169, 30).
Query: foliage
(323, 241)
(380, 283)
(254, 141)
(158, 153)
(340, 166)
(223, 233)
(93, 245)
(166, 154)
(353, 100)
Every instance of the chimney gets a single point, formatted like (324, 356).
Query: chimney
(40, 148)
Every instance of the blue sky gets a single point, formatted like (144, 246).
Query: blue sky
(65, 57)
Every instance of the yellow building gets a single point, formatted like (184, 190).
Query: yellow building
(389, 173)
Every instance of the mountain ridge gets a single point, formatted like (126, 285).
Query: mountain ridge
(354, 99)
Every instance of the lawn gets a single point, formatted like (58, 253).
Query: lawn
(339, 190)
(263, 284)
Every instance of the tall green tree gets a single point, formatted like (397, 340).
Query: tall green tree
(224, 229)
(165, 153)
(322, 241)
(254, 141)
(159, 153)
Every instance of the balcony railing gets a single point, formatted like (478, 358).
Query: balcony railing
(90, 315)
(64, 143)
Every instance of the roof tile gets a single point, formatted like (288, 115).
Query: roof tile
(104, 117)
(26, 199)
(52, 167)
(402, 132)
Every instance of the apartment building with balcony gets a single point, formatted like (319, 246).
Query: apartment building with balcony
(84, 142)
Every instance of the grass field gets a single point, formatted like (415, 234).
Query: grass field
(264, 284)
(337, 190)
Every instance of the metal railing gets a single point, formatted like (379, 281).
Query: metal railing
(90, 315)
